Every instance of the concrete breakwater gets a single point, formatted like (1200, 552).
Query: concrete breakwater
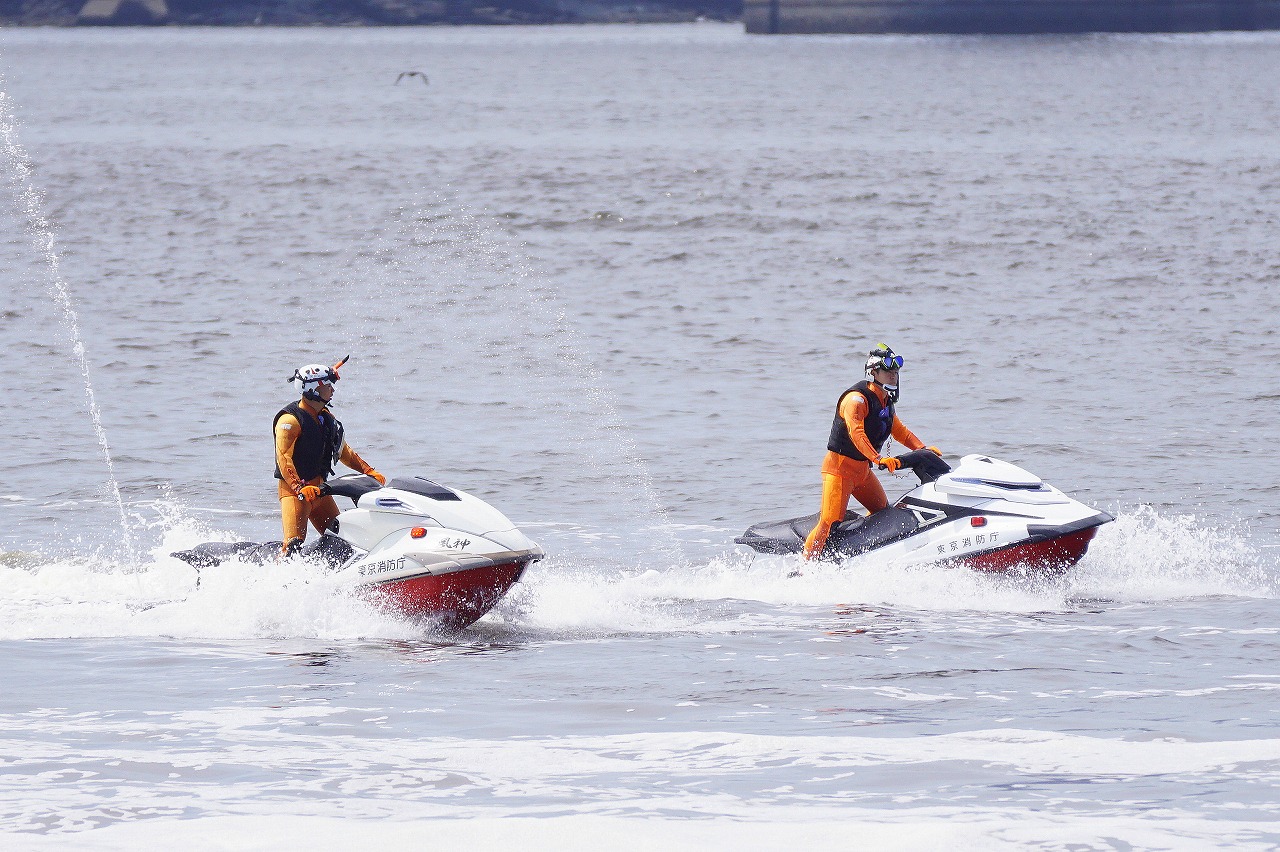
(1008, 16)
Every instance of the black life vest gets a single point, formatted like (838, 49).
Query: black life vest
(878, 424)
(319, 445)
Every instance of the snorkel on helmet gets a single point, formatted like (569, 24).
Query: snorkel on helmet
(307, 380)
(883, 358)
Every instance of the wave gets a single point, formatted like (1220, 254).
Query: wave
(1000, 788)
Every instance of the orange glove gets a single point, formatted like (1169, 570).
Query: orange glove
(309, 493)
(889, 463)
(937, 452)
(382, 480)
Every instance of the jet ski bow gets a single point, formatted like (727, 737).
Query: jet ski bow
(414, 547)
(984, 514)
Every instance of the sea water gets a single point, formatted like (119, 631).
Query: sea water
(612, 280)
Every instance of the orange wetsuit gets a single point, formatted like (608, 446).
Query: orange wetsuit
(295, 513)
(843, 476)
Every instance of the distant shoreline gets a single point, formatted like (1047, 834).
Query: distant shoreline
(358, 13)
(757, 16)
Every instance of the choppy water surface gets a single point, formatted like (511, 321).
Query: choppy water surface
(612, 279)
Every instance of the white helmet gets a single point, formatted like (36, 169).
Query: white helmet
(307, 380)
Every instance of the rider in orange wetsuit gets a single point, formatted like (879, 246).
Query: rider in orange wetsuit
(864, 420)
(309, 442)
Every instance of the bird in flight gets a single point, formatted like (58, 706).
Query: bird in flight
(404, 74)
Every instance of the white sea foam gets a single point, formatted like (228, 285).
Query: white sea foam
(1144, 556)
(94, 596)
(977, 828)
(66, 599)
(766, 783)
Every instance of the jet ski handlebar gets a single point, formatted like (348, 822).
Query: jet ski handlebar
(352, 485)
(925, 464)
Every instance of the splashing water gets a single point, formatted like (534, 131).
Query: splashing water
(41, 232)
(1143, 557)
(1147, 557)
(158, 595)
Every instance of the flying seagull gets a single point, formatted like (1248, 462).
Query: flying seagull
(404, 74)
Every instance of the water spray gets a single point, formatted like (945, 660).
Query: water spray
(32, 201)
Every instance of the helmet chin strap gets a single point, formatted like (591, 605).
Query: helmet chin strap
(892, 390)
(314, 396)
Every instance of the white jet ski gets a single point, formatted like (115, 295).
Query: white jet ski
(414, 547)
(984, 514)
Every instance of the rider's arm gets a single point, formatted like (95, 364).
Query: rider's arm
(854, 411)
(905, 436)
(287, 431)
(350, 458)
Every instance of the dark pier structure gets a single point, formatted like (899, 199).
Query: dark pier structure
(1008, 16)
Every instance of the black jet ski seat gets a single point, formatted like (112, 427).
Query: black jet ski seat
(856, 533)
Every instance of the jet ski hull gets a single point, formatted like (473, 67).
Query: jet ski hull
(414, 548)
(449, 601)
(986, 515)
(1052, 556)
(1047, 554)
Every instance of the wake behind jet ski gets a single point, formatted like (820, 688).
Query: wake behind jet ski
(414, 547)
(985, 514)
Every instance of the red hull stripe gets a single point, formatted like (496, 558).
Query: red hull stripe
(1054, 555)
(450, 600)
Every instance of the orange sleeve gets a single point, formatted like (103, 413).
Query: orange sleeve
(349, 457)
(287, 431)
(853, 409)
(905, 436)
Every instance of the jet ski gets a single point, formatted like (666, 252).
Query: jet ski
(414, 547)
(984, 514)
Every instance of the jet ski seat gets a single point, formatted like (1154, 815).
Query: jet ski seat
(852, 537)
(329, 548)
(855, 534)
